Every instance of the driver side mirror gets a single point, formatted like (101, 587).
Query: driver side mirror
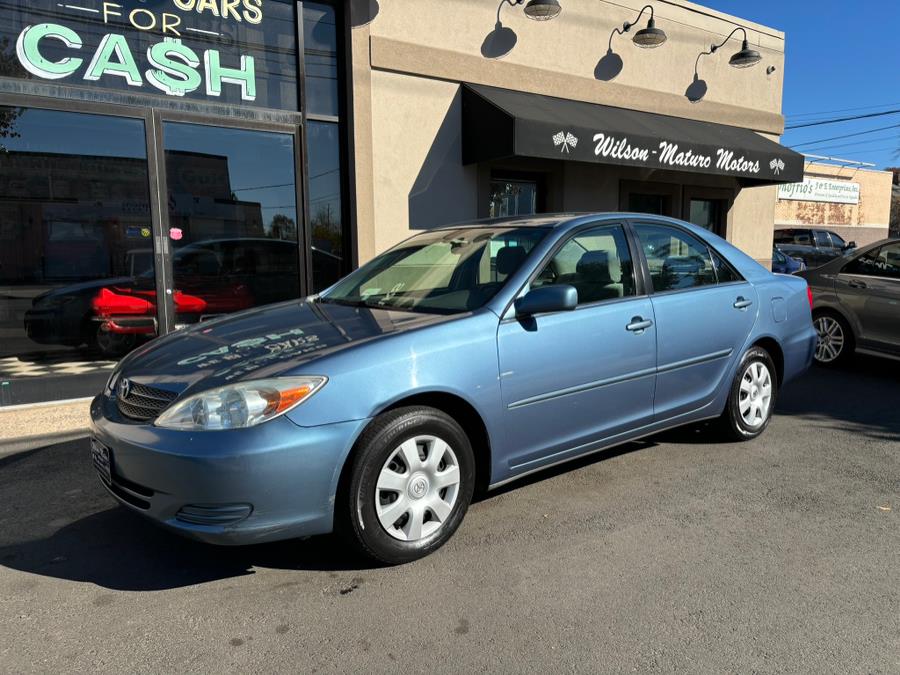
(545, 299)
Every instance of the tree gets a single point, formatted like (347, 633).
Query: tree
(9, 67)
(283, 227)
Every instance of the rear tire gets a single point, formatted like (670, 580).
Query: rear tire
(834, 343)
(410, 484)
(751, 402)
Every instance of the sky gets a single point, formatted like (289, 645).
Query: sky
(839, 55)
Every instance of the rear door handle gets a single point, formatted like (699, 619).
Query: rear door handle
(639, 325)
(855, 283)
(742, 303)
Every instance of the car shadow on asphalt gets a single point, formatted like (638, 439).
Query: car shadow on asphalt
(861, 397)
(58, 522)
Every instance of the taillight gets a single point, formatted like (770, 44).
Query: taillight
(810, 296)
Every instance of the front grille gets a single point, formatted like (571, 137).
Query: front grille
(144, 403)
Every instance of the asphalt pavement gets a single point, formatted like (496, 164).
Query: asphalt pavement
(674, 554)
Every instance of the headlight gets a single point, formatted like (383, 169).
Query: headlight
(240, 405)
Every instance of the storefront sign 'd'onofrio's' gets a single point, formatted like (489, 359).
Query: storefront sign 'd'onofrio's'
(821, 190)
(180, 48)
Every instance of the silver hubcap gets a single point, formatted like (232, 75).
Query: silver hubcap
(831, 339)
(756, 395)
(417, 488)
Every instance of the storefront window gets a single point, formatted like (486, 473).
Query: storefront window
(75, 242)
(232, 218)
(513, 198)
(656, 204)
(326, 223)
(706, 213)
(227, 52)
(321, 59)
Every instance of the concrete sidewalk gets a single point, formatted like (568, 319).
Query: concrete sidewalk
(28, 427)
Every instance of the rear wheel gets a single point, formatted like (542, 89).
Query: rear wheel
(751, 401)
(411, 482)
(834, 342)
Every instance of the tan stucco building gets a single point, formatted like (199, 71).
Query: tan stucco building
(413, 59)
(235, 159)
(852, 201)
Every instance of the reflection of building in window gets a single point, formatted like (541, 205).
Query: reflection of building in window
(70, 217)
(202, 202)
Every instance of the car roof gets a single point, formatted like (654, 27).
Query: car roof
(550, 220)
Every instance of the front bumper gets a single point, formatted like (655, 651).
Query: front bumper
(286, 474)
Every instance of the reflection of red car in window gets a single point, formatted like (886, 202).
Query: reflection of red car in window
(123, 311)
(112, 314)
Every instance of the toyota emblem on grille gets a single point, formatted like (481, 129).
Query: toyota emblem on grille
(124, 388)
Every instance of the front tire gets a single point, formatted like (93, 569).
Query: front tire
(751, 401)
(411, 482)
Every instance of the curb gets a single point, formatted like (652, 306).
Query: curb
(34, 442)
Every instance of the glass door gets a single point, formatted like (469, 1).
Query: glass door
(77, 272)
(233, 223)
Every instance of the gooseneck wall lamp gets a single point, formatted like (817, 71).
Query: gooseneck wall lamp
(539, 10)
(646, 38)
(744, 58)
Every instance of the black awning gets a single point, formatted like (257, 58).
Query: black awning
(500, 123)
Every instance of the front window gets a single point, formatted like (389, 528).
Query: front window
(441, 272)
(596, 262)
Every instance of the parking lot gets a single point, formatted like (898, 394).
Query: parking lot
(676, 553)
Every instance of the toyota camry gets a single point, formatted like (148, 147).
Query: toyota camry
(463, 358)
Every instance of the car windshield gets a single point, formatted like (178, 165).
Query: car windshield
(441, 272)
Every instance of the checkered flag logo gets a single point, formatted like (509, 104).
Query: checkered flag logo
(777, 166)
(566, 140)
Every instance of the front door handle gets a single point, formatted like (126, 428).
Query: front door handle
(742, 303)
(638, 325)
(856, 283)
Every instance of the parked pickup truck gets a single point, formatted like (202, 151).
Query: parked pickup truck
(814, 247)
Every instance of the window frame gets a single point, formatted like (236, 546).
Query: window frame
(648, 281)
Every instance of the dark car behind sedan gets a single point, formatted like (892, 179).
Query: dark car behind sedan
(814, 247)
(856, 303)
(785, 264)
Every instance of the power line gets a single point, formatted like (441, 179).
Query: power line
(843, 136)
(842, 119)
(879, 139)
(795, 116)
(866, 152)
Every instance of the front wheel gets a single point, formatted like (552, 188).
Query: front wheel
(113, 345)
(751, 401)
(411, 482)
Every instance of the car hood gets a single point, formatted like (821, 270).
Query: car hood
(265, 342)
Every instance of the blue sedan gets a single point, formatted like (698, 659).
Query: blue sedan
(462, 359)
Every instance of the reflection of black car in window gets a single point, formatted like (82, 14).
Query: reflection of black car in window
(814, 247)
(212, 277)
